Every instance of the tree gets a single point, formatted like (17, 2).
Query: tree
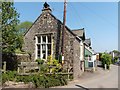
(23, 27)
(116, 51)
(10, 37)
(106, 59)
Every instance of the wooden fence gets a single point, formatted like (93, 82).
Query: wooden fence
(3, 67)
(23, 67)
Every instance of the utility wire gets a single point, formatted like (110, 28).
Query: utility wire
(96, 14)
(76, 14)
(79, 21)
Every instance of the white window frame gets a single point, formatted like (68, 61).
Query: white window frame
(41, 43)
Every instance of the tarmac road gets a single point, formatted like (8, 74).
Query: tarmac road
(100, 79)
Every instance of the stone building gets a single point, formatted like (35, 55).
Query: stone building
(44, 39)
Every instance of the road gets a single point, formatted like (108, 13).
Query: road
(100, 79)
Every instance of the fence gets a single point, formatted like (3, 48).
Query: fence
(3, 67)
(23, 67)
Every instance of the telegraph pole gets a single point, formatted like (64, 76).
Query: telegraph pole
(63, 30)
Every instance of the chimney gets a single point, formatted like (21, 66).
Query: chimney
(46, 8)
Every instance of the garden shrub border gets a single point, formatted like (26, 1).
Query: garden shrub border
(39, 80)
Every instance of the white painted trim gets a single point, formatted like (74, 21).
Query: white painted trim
(41, 48)
(89, 49)
(36, 39)
(46, 50)
(81, 51)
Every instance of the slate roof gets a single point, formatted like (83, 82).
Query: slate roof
(87, 42)
(80, 33)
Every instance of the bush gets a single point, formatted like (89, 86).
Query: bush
(51, 65)
(25, 79)
(41, 81)
(115, 59)
(106, 59)
(40, 61)
(47, 81)
(54, 64)
(8, 76)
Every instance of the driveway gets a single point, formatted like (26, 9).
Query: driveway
(99, 79)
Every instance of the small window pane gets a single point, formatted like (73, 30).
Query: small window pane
(43, 47)
(43, 51)
(49, 46)
(38, 46)
(39, 40)
(49, 39)
(44, 56)
(44, 39)
(38, 51)
(38, 55)
(49, 49)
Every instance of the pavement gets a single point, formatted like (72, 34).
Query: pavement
(99, 79)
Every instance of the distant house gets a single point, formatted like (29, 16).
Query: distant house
(90, 55)
(114, 54)
(44, 38)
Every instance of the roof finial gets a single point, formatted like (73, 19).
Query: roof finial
(46, 5)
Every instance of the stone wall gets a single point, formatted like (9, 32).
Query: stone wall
(77, 71)
(23, 57)
(40, 27)
(54, 26)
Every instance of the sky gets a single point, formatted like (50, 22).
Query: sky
(99, 19)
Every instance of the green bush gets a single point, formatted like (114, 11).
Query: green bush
(41, 81)
(106, 59)
(8, 76)
(47, 81)
(54, 64)
(115, 59)
(24, 79)
(40, 61)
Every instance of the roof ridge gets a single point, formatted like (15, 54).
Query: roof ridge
(77, 29)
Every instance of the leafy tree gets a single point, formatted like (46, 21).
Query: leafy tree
(115, 60)
(106, 59)
(10, 38)
(116, 51)
(23, 27)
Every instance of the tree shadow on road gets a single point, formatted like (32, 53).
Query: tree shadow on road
(82, 88)
(100, 88)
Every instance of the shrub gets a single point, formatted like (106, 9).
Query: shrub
(115, 59)
(106, 59)
(47, 81)
(8, 76)
(54, 64)
(24, 79)
(41, 81)
(40, 61)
